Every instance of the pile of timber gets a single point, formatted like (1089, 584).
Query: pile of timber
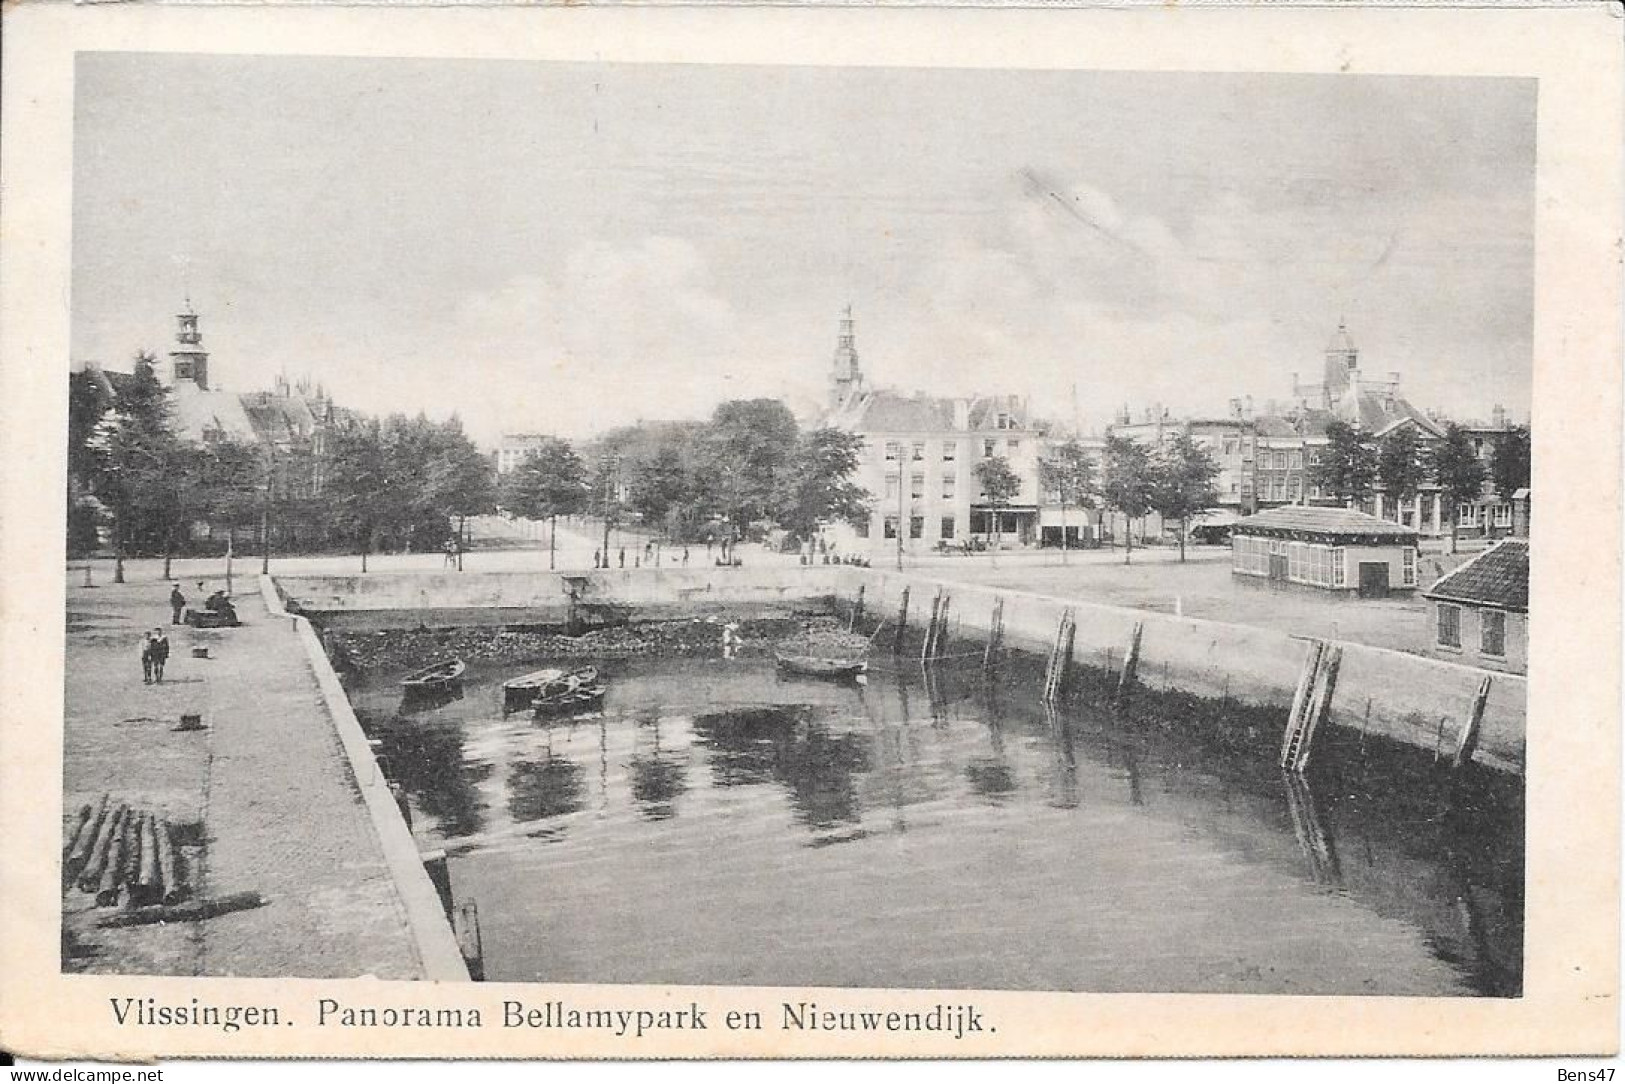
(125, 857)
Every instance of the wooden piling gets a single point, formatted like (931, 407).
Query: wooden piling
(995, 635)
(149, 873)
(857, 610)
(902, 623)
(185, 912)
(1475, 720)
(91, 878)
(84, 841)
(928, 643)
(1131, 660)
(174, 891)
(466, 928)
(107, 885)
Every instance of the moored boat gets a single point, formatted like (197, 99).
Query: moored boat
(821, 667)
(434, 678)
(572, 698)
(525, 689)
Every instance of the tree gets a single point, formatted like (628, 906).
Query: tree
(1069, 472)
(820, 488)
(1459, 472)
(1510, 462)
(749, 443)
(459, 479)
(1347, 470)
(138, 456)
(86, 409)
(1182, 474)
(1128, 485)
(999, 483)
(357, 483)
(1400, 469)
(550, 482)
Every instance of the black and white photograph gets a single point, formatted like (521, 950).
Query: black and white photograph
(588, 523)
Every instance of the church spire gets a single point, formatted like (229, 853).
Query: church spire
(845, 375)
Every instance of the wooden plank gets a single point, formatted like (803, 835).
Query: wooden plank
(1294, 720)
(1320, 704)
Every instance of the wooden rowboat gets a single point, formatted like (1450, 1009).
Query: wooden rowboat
(435, 678)
(817, 666)
(524, 690)
(574, 698)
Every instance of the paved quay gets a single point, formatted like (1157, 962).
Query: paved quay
(276, 808)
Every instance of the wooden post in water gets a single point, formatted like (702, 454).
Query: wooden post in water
(1131, 660)
(857, 610)
(995, 634)
(1469, 733)
(941, 636)
(465, 925)
(902, 623)
(1300, 701)
(928, 644)
(1320, 704)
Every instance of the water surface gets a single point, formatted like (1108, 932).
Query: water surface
(717, 824)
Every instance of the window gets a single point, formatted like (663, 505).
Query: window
(1003, 422)
(1292, 488)
(1492, 632)
(1234, 487)
(891, 487)
(949, 487)
(890, 530)
(1449, 625)
(988, 448)
(916, 486)
(893, 450)
(1297, 460)
(1277, 491)
(1229, 448)
(861, 528)
(1013, 446)
(1503, 515)
(947, 526)
(950, 449)
(1410, 567)
(919, 451)
(1315, 491)
(916, 526)
(1339, 567)
(1314, 456)
(1467, 515)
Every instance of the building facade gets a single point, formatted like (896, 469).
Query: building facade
(515, 448)
(1337, 550)
(919, 460)
(1481, 610)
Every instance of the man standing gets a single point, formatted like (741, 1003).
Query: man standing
(177, 603)
(146, 659)
(160, 655)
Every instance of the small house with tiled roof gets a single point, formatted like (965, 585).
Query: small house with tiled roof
(1338, 550)
(1481, 610)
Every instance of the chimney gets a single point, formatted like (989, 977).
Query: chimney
(961, 413)
(1249, 407)
(1393, 378)
(1498, 416)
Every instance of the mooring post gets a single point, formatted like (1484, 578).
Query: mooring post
(902, 623)
(927, 644)
(941, 637)
(1469, 733)
(995, 629)
(1063, 675)
(857, 610)
(1131, 660)
(465, 926)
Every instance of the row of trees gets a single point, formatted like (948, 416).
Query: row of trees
(1355, 465)
(364, 484)
(1174, 479)
(749, 468)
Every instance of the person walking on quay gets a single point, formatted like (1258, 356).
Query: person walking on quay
(160, 655)
(598, 558)
(623, 556)
(177, 603)
(685, 556)
(451, 553)
(146, 659)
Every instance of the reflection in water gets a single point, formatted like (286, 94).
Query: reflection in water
(659, 776)
(427, 760)
(790, 745)
(550, 787)
(845, 837)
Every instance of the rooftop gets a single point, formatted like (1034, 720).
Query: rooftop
(1497, 577)
(1324, 522)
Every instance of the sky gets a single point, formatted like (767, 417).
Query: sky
(551, 247)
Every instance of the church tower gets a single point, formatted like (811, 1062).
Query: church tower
(846, 377)
(1342, 360)
(188, 362)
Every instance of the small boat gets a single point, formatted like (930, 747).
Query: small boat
(817, 666)
(524, 690)
(435, 678)
(574, 697)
